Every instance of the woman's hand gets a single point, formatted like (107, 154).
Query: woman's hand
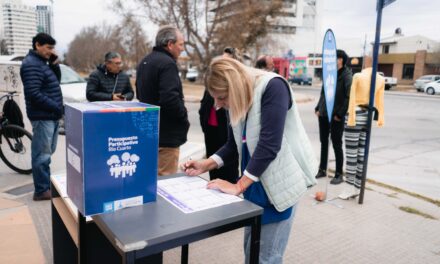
(197, 167)
(224, 186)
(230, 188)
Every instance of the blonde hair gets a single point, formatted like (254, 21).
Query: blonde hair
(228, 76)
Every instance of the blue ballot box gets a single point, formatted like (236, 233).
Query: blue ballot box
(111, 154)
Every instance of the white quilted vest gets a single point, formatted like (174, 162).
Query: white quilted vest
(295, 166)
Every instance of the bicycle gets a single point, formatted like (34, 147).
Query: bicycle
(15, 143)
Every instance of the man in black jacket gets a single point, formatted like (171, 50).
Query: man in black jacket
(336, 128)
(158, 83)
(108, 82)
(40, 74)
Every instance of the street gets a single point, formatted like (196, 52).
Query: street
(405, 153)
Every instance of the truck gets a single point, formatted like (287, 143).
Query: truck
(390, 82)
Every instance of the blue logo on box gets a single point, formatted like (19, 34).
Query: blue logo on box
(124, 168)
(108, 207)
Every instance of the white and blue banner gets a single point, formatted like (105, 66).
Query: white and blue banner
(329, 71)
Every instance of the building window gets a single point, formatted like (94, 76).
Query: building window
(386, 49)
(408, 71)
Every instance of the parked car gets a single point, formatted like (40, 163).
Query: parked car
(72, 85)
(192, 75)
(390, 82)
(73, 88)
(432, 87)
(301, 79)
(421, 82)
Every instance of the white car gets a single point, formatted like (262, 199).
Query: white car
(432, 88)
(72, 85)
(192, 75)
(390, 82)
(421, 82)
(73, 88)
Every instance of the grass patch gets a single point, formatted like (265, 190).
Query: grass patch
(416, 195)
(416, 212)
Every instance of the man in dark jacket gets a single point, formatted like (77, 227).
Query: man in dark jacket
(336, 128)
(108, 82)
(158, 83)
(44, 106)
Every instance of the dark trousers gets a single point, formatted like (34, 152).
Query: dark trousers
(214, 140)
(336, 130)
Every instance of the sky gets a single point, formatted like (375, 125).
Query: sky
(350, 20)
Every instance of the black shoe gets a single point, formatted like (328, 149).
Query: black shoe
(42, 196)
(337, 179)
(320, 174)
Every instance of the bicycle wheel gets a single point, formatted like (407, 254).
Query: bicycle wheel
(15, 148)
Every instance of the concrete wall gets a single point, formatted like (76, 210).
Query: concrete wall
(397, 71)
(419, 65)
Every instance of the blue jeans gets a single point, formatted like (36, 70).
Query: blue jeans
(273, 240)
(44, 143)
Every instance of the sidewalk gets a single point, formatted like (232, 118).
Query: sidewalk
(336, 232)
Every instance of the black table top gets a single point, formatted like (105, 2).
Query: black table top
(157, 222)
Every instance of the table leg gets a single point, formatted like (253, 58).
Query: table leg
(130, 257)
(255, 240)
(184, 257)
(82, 238)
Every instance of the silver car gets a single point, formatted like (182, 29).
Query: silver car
(420, 83)
(432, 87)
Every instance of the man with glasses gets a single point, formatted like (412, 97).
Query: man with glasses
(108, 82)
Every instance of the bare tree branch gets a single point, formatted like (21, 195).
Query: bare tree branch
(209, 26)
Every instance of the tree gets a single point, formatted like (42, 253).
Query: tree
(133, 40)
(3, 47)
(209, 26)
(88, 47)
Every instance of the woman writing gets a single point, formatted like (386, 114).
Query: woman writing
(267, 136)
(214, 123)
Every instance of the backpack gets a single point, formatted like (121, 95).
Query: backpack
(12, 112)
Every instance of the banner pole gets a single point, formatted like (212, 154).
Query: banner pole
(371, 103)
